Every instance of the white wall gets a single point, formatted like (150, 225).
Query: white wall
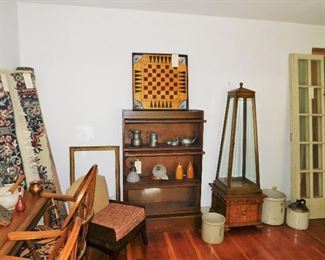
(82, 59)
(9, 50)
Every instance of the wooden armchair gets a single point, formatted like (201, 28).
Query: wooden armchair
(82, 208)
(66, 246)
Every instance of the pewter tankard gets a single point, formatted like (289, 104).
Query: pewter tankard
(153, 139)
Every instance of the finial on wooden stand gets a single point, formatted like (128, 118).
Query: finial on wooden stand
(241, 84)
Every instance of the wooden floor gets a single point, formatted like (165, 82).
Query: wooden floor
(269, 242)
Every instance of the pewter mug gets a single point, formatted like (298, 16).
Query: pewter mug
(153, 139)
(136, 139)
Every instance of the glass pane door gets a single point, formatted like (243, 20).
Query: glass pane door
(308, 140)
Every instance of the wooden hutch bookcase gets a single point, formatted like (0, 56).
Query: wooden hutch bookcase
(171, 205)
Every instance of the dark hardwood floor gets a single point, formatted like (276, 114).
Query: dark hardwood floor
(269, 242)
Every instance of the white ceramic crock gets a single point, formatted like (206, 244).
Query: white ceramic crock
(213, 227)
(273, 207)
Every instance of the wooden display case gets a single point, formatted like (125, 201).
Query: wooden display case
(236, 190)
(170, 204)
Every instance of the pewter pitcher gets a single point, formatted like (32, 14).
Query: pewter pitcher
(136, 139)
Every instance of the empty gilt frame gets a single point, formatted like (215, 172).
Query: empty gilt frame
(115, 149)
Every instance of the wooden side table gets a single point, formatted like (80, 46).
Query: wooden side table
(27, 220)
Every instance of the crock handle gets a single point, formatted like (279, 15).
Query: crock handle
(301, 202)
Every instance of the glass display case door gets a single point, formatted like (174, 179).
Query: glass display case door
(308, 132)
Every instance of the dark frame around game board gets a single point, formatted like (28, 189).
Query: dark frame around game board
(159, 81)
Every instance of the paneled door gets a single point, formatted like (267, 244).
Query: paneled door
(308, 131)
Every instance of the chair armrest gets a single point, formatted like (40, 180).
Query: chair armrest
(9, 257)
(30, 235)
(127, 203)
(51, 195)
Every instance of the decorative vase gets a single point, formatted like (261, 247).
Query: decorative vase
(20, 206)
(190, 171)
(179, 172)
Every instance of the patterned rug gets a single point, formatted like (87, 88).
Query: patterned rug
(24, 145)
(24, 86)
(10, 156)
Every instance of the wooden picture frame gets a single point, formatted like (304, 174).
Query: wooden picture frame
(159, 81)
(116, 149)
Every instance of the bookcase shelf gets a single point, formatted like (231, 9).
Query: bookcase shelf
(170, 204)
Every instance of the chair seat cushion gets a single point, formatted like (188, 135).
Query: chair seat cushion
(121, 218)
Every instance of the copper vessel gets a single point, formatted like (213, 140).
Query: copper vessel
(35, 187)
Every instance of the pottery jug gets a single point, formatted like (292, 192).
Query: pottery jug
(190, 171)
(179, 172)
(297, 215)
(136, 139)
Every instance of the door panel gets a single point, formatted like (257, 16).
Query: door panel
(308, 127)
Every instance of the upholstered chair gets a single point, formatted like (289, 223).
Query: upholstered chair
(115, 223)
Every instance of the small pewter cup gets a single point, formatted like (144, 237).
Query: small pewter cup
(35, 187)
(153, 139)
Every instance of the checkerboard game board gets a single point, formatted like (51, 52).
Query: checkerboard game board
(157, 85)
